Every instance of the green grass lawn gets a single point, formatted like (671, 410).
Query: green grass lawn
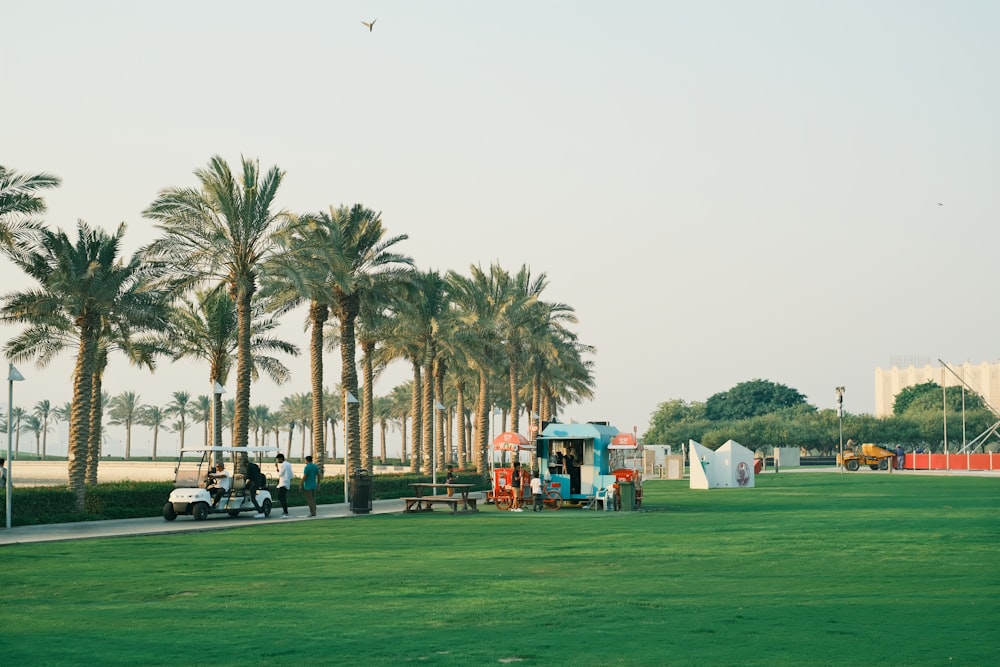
(807, 568)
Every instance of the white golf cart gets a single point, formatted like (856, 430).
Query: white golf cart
(191, 494)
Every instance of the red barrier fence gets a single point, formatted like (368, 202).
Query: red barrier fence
(989, 461)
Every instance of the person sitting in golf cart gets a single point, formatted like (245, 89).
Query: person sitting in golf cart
(221, 483)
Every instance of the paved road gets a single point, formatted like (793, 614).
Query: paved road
(55, 532)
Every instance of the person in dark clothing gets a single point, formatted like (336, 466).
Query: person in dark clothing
(253, 482)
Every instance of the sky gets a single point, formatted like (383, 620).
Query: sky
(798, 191)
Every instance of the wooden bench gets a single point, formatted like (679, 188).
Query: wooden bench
(424, 503)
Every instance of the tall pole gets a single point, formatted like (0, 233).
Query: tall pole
(840, 421)
(12, 376)
(217, 392)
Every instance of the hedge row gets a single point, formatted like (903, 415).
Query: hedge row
(132, 500)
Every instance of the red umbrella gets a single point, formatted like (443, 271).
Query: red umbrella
(623, 441)
(509, 441)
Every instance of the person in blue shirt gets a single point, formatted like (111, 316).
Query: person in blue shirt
(310, 483)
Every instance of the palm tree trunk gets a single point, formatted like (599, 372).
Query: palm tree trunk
(515, 412)
(96, 418)
(427, 423)
(318, 315)
(483, 426)
(367, 405)
(349, 382)
(460, 410)
(416, 433)
(244, 366)
(402, 448)
(79, 428)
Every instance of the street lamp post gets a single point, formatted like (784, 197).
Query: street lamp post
(348, 399)
(840, 421)
(12, 376)
(496, 411)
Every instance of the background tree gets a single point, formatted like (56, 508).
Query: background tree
(750, 399)
(929, 396)
(365, 258)
(82, 284)
(155, 418)
(125, 409)
(20, 199)
(222, 231)
(43, 410)
(180, 406)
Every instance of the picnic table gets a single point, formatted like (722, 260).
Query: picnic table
(421, 502)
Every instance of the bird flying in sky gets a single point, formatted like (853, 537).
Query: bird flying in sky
(369, 25)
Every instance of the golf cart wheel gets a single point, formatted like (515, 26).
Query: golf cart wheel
(199, 511)
(234, 513)
(168, 512)
(266, 507)
(852, 465)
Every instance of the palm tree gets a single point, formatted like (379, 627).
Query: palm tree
(125, 411)
(383, 415)
(303, 271)
(363, 259)
(201, 413)
(297, 409)
(63, 412)
(32, 424)
(222, 231)
(154, 417)
(400, 402)
(259, 423)
(422, 316)
(84, 286)
(206, 329)
(180, 407)
(43, 410)
(374, 325)
(19, 199)
(16, 416)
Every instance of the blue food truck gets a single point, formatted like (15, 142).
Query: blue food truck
(583, 461)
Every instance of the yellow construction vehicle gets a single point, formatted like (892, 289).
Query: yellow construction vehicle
(868, 454)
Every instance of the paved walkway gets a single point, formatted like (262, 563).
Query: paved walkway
(55, 532)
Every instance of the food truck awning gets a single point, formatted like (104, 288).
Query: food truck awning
(558, 431)
(509, 441)
(623, 441)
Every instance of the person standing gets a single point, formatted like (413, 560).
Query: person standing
(284, 469)
(900, 457)
(515, 488)
(450, 479)
(536, 492)
(310, 483)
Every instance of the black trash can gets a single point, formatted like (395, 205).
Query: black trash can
(360, 491)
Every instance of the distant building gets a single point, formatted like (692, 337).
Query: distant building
(983, 378)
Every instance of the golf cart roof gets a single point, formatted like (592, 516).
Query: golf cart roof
(229, 449)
